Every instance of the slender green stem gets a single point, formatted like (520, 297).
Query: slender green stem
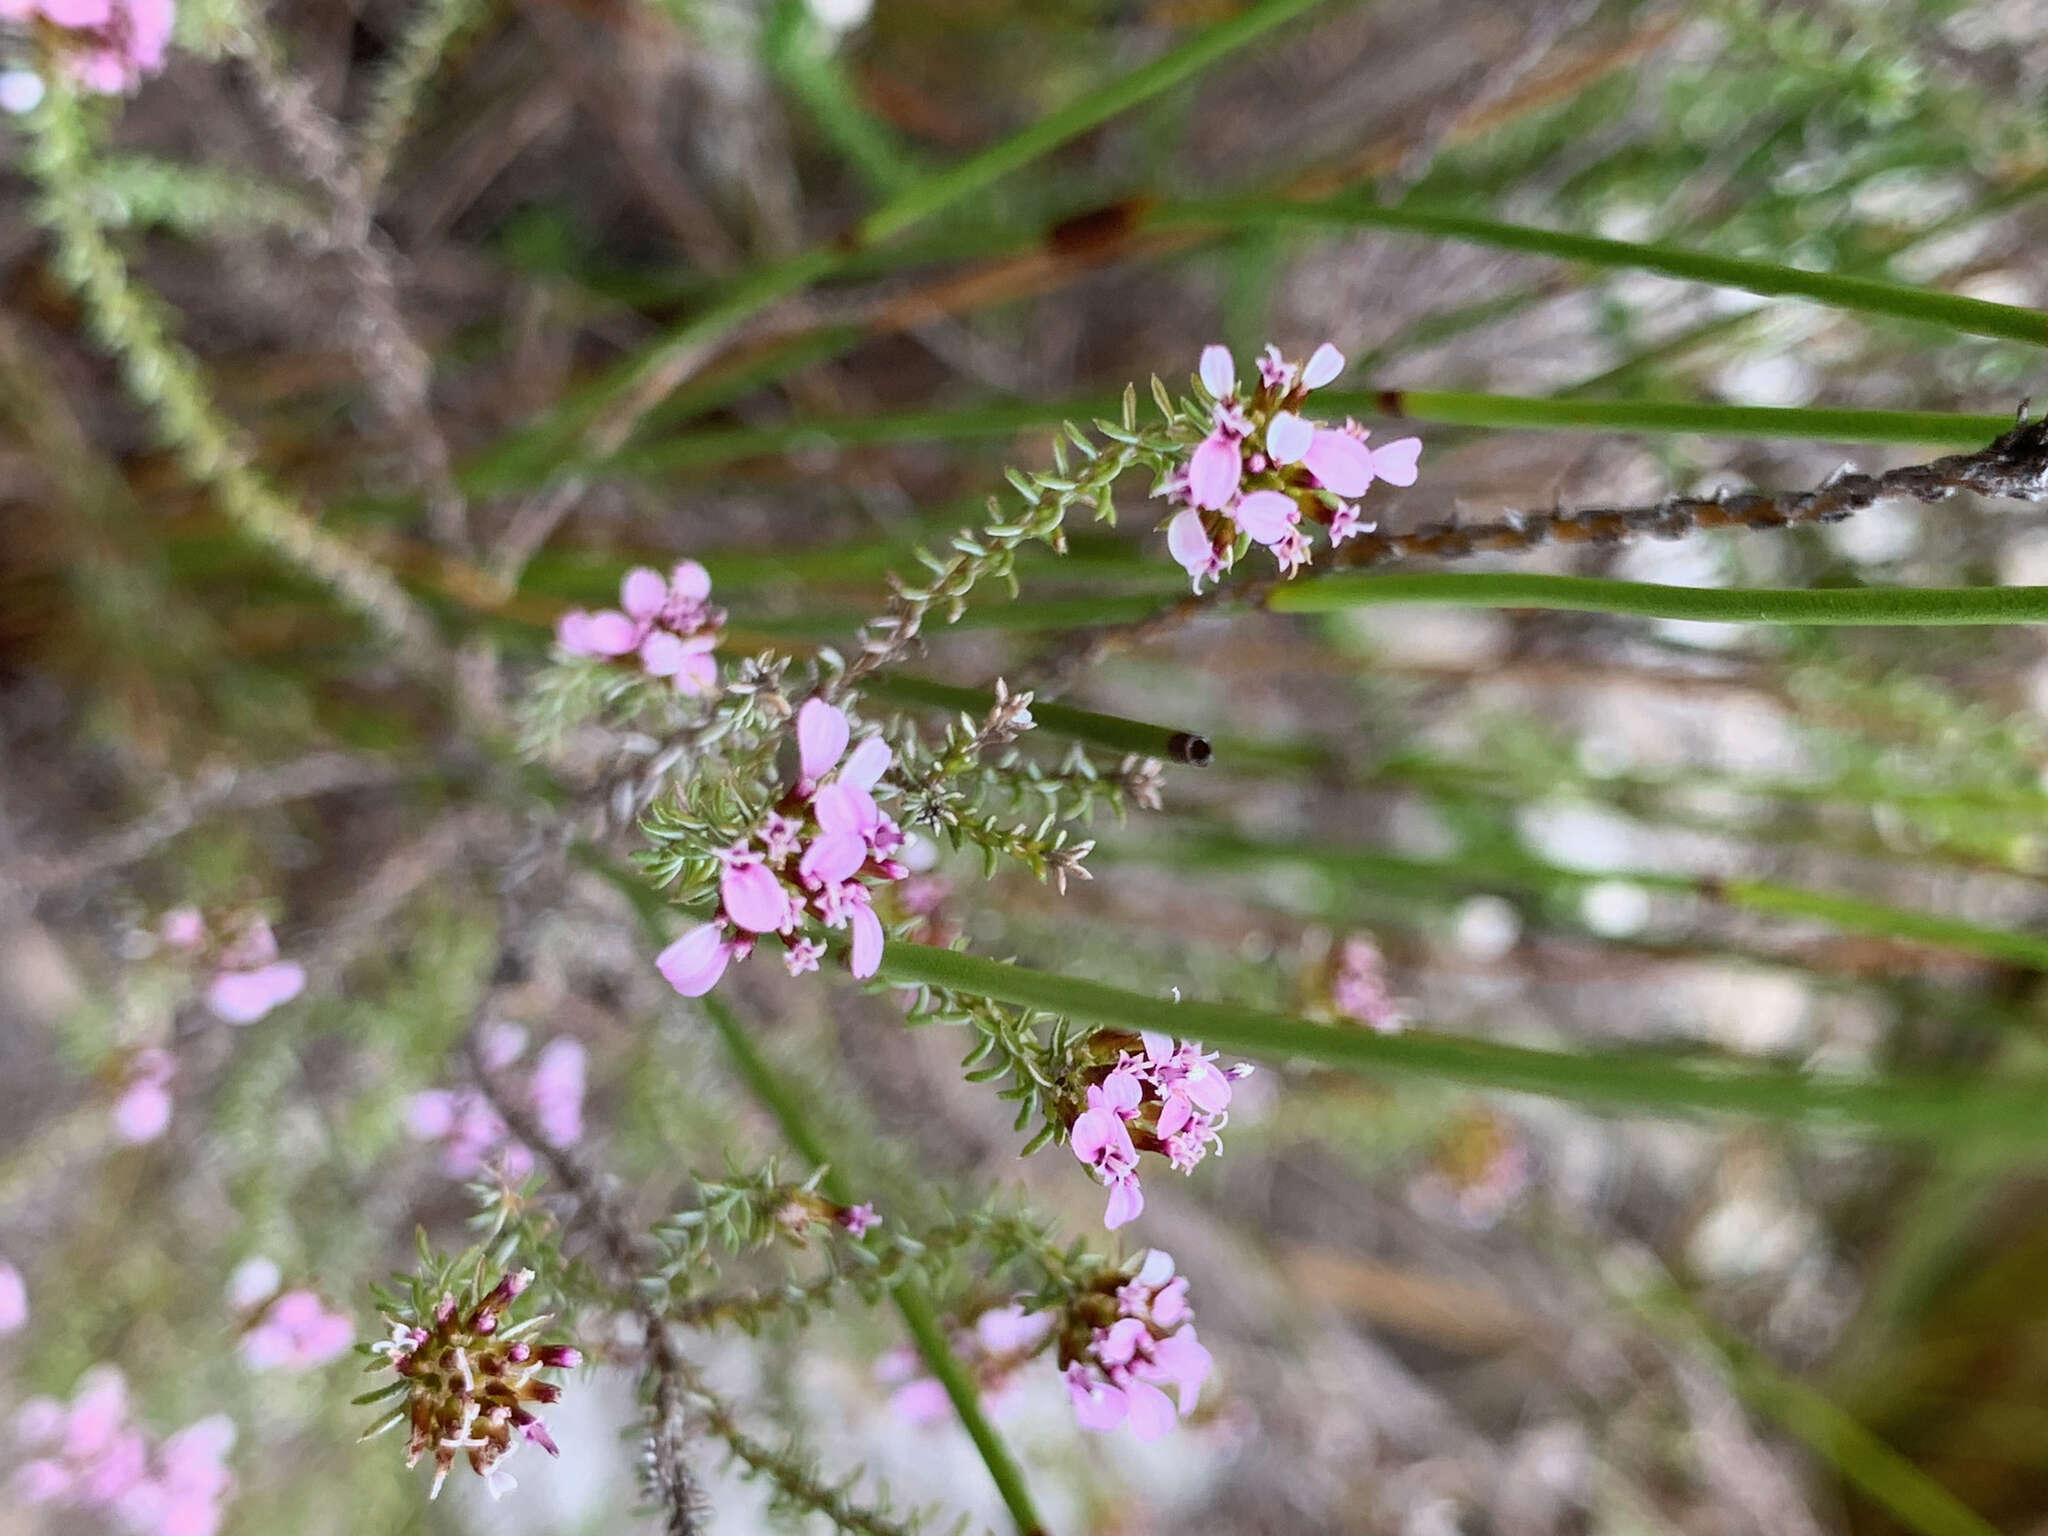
(920, 1316)
(1113, 732)
(1723, 605)
(713, 449)
(1863, 295)
(1913, 1106)
(1850, 913)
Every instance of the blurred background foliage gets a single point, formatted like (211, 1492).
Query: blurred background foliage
(1434, 1310)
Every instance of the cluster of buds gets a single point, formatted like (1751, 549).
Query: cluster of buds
(471, 1382)
(1123, 1341)
(248, 977)
(1264, 467)
(472, 1135)
(1355, 986)
(994, 1348)
(90, 1454)
(1165, 1096)
(811, 856)
(285, 1330)
(668, 625)
(104, 46)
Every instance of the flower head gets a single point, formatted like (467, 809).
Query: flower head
(105, 46)
(1125, 1342)
(472, 1135)
(1263, 471)
(1165, 1096)
(994, 1348)
(469, 1379)
(296, 1332)
(92, 1455)
(810, 859)
(665, 623)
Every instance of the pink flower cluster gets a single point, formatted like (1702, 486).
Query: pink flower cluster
(90, 1455)
(1002, 1340)
(109, 44)
(249, 980)
(1359, 990)
(1264, 467)
(1168, 1098)
(807, 858)
(1119, 1376)
(287, 1330)
(471, 1134)
(669, 625)
(1477, 1174)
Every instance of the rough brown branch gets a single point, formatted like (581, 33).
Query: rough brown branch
(2014, 466)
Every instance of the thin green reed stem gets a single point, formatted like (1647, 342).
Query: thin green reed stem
(640, 383)
(920, 1316)
(1116, 733)
(1219, 850)
(1727, 605)
(1923, 1106)
(696, 451)
(1862, 295)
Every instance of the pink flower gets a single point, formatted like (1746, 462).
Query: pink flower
(1344, 522)
(143, 1109)
(1340, 461)
(297, 1333)
(1288, 437)
(664, 621)
(693, 964)
(95, 1458)
(1267, 516)
(1098, 1405)
(751, 895)
(858, 1220)
(474, 1137)
(868, 938)
(802, 955)
(1219, 372)
(1151, 1346)
(1359, 989)
(557, 1091)
(243, 997)
(182, 928)
(13, 1299)
(822, 732)
(1188, 542)
(1214, 471)
(1324, 364)
(107, 45)
(1395, 462)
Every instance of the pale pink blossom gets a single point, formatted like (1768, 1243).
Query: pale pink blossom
(182, 928)
(471, 1134)
(243, 997)
(1340, 461)
(1323, 366)
(664, 622)
(1395, 462)
(296, 1332)
(142, 1110)
(1219, 372)
(92, 1456)
(1359, 989)
(1288, 437)
(993, 1350)
(106, 46)
(1214, 472)
(13, 1299)
(1267, 516)
(1122, 1377)
(859, 1220)
(694, 963)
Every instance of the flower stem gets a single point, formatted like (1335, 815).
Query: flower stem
(920, 1317)
(1729, 605)
(1113, 732)
(1924, 1106)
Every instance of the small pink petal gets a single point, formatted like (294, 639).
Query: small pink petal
(1188, 542)
(1126, 1203)
(1215, 470)
(13, 1299)
(1340, 461)
(690, 582)
(693, 964)
(921, 1402)
(1151, 1410)
(611, 633)
(869, 762)
(78, 13)
(754, 899)
(42, 1481)
(831, 858)
(821, 736)
(1323, 367)
(845, 808)
(643, 593)
(663, 654)
(142, 1113)
(1266, 516)
(1288, 437)
(182, 928)
(1219, 371)
(1098, 1406)
(1395, 462)
(867, 942)
(430, 1113)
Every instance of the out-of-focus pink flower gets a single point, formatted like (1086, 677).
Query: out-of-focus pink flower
(997, 1345)
(1359, 989)
(143, 1108)
(13, 1299)
(94, 1457)
(471, 1134)
(106, 46)
(859, 1220)
(243, 997)
(182, 928)
(296, 1332)
(664, 621)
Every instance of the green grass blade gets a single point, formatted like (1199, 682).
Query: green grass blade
(1926, 1106)
(1115, 733)
(1719, 605)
